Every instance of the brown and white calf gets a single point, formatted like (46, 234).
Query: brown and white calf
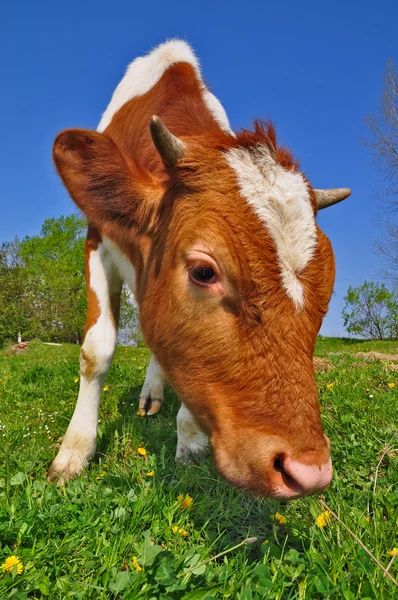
(215, 233)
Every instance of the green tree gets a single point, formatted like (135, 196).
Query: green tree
(42, 286)
(371, 311)
(54, 280)
(13, 317)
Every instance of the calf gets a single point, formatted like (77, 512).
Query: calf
(215, 233)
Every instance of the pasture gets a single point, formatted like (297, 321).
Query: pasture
(129, 529)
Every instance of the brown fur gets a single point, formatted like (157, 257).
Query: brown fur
(242, 363)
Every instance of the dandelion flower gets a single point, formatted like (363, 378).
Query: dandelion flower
(76, 379)
(323, 519)
(135, 564)
(330, 385)
(105, 388)
(141, 451)
(140, 412)
(367, 517)
(151, 474)
(182, 532)
(185, 501)
(391, 385)
(393, 552)
(10, 563)
(280, 518)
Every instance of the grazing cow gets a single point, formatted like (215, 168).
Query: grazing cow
(215, 234)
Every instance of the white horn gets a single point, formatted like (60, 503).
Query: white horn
(327, 198)
(170, 148)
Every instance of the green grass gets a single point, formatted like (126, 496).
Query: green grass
(79, 541)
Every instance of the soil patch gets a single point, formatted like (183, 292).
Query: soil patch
(322, 365)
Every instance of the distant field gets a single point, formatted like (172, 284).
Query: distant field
(121, 533)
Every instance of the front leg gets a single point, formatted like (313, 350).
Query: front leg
(151, 396)
(192, 442)
(103, 294)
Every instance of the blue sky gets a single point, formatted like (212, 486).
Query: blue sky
(313, 67)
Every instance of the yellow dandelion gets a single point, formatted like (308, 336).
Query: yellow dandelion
(135, 564)
(180, 530)
(140, 412)
(280, 518)
(393, 552)
(391, 385)
(185, 501)
(367, 517)
(151, 474)
(76, 379)
(105, 388)
(330, 385)
(141, 451)
(323, 519)
(10, 564)
(100, 475)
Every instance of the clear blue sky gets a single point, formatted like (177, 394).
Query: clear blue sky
(313, 67)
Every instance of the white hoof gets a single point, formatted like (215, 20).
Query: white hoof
(71, 462)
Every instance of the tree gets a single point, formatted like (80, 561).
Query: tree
(42, 286)
(13, 315)
(383, 142)
(54, 285)
(371, 311)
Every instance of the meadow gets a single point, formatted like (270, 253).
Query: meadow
(139, 526)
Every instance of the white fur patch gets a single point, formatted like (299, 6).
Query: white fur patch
(144, 72)
(191, 439)
(99, 344)
(281, 199)
(121, 263)
(154, 381)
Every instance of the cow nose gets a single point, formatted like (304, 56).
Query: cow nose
(299, 479)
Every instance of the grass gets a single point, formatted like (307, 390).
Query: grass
(121, 533)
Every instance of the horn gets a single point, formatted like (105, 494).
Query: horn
(170, 148)
(327, 198)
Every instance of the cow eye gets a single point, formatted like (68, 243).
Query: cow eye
(202, 274)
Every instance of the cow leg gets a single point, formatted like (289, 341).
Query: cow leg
(191, 440)
(151, 396)
(103, 292)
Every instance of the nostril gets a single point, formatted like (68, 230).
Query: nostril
(278, 464)
(301, 479)
(287, 478)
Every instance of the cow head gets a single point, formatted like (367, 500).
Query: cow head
(233, 279)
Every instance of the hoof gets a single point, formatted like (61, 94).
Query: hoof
(149, 406)
(69, 467)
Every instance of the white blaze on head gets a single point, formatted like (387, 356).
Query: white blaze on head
(281, 200)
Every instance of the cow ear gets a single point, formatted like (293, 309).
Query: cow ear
(105, 184)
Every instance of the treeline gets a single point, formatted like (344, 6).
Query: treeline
(42, 286)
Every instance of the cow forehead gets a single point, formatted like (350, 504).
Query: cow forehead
(281, 199)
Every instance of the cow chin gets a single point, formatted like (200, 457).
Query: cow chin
(268, 466)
